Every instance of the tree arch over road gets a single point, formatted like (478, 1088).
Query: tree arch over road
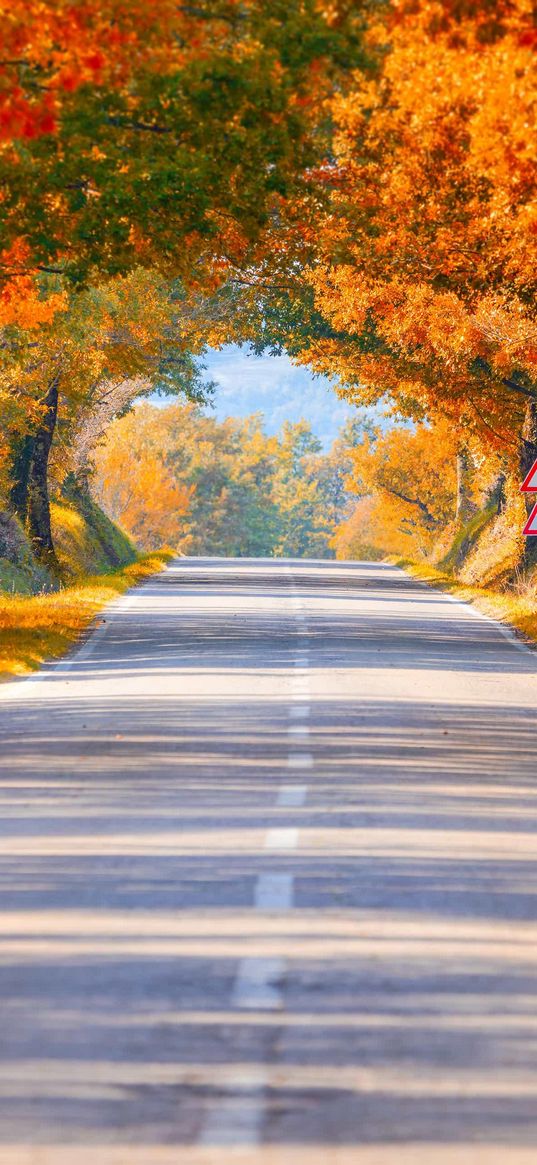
(309, 176)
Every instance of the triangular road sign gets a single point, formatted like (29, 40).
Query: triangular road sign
(531, 524)
(529, 485)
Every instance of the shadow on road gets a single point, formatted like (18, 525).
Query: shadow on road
(132, 834)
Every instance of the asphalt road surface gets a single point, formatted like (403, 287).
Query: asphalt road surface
(268, 879)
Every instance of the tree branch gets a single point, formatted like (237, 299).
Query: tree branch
(517, 387)
(505, 380)
(125, 123)
(411, 502)
(202, 14)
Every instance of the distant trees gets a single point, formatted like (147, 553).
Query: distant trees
(227, 488)
(224, 488)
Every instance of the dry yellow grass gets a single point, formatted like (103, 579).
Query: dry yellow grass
(517, 610)
(44, 627)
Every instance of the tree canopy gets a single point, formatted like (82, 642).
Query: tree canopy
(353, 182)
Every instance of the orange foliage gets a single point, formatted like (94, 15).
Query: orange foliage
(22, 301)
(408, 479)
(430, 242)
(370, 533)
(148, 503)
(50, 47)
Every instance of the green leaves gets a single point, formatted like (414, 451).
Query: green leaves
(155, 169)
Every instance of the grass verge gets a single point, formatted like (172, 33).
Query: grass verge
(43, 627)
(518, 611)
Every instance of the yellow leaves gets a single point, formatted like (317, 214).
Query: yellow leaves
(371, 532)
(22, 304)
(45, 626)
(409, 479)
(151, 505)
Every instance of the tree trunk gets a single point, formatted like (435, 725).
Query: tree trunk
(465, 506)
(38, 505)
(528, 454)
(496, 494)
(20, 474)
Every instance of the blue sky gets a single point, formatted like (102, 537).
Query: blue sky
(275, 387)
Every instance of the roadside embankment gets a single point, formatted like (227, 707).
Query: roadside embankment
(43, 615)
(517, 610)
(36, 628)
(85, 540)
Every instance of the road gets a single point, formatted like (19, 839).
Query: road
(268, 879)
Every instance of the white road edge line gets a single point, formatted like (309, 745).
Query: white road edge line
(108, 616)
(505, 632)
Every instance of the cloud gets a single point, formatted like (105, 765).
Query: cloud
(274, 386)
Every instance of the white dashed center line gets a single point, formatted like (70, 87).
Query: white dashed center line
(236, 1119)
(292, 796)
(281, 839)
(299, 711)
(301, 730)
(300, 760)
(274, 891)
(258, 984)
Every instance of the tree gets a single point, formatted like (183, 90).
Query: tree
(369, 533)
(304, 526)
(168, 138)
(150, 504)
(426, 259)
(162, 135)
(411, 475)
(249, 494)
(417, 283)
(122, 335)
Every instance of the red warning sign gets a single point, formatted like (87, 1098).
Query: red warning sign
(531, 524)
(529, 485)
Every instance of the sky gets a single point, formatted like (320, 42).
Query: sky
(275, 387)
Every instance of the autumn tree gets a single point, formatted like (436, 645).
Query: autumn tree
(322, 179)
(174, 132)
(107, 346)
(428, 271)
(165, 138)
(409, 475)
(249, 493)
(419, 279)
(151, 504)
